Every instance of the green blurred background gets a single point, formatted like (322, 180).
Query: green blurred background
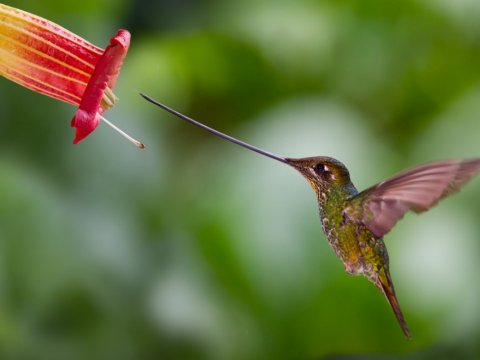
(198, 249)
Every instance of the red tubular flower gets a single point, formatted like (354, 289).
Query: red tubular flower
(104, 77)
(51, 60)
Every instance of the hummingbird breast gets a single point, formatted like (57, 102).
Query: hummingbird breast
(360, 251)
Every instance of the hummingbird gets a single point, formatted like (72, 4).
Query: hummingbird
(355, 222)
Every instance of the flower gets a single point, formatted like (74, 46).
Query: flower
(47, 58)
(101, 81)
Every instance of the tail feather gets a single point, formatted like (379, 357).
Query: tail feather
(385, 284)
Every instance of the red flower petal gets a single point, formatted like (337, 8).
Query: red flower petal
(49, 59)
(43, 56)
(105, 75)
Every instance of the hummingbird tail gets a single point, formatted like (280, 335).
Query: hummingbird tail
(385, 284)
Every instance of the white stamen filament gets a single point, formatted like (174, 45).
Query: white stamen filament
(137, 143)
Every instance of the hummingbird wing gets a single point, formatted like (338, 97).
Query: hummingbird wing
(418, 189)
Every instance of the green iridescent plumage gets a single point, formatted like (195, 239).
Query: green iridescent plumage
(360, 251)
(355, 223)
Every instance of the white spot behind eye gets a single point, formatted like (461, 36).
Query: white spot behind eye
(327, 169)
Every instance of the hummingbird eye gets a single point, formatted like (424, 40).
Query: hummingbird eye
(319, 169)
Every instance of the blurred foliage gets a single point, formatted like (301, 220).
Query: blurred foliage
(197, 249)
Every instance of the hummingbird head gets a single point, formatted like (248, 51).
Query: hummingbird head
(321, 171)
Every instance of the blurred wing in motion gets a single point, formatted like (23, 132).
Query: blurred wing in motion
(382, 205)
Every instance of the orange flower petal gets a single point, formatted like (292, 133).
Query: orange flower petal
(43, 56)
(49, 59)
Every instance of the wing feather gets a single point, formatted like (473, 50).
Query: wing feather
(418, 189)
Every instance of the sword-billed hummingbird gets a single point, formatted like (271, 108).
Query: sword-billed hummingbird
(355, 222)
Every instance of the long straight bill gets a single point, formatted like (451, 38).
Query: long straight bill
(215, 132)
